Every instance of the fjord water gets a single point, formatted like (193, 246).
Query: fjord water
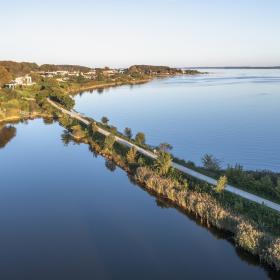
(232, 114)
(66, 214)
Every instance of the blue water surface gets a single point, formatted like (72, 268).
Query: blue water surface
(232, 114)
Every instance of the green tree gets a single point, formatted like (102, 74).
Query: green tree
(94, 127)
(165, 147)
(109, 142)
(211, 163)
(57, 96)
(140, 138)
(163, 163)
(221, 184)
(131, 155)
(128, 132)
(5, 76)
(278, 187)
(78, 132)
(105, 120)
(114, 130)
(65, 121)
(235, 173)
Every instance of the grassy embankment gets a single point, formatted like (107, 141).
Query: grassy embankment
(263, 183)
(254, 228)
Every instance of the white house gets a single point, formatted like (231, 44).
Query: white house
(11, 85)
(20, 81)
(24, 81)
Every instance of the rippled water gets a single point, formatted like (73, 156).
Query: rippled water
(232, 114)
(66, 214)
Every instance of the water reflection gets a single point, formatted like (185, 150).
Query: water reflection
(218, 234)
(7, 133)
(100, 90)
(110, 165)
(66, 137)
(64, 214)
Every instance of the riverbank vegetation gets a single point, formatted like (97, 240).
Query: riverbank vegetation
(59, 81)
(263, 183)
(253, 227)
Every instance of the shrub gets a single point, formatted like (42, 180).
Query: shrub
(163, 163)
(131, 155)
(109, 142)
(221, 184)
(273, 253)
(248, 237)
(78, 132)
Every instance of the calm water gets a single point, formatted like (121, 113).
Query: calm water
(232, 114)
(66, 214)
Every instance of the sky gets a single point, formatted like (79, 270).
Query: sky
(118, 33)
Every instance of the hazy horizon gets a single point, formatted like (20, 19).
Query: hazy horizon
(120, 33)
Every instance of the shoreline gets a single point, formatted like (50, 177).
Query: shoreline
(187, 203)
(24, 118)
(201, 199)
(202, 206)
(107, 85)
(116, 84)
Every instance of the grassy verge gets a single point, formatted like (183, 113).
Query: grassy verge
(263, 183)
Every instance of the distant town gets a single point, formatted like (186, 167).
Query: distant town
(11, 73)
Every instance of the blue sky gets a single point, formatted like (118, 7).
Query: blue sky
(123, 32)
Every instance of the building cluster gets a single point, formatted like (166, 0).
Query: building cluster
(90, 75)
(63, 75)
(52, 74)
(20, 81)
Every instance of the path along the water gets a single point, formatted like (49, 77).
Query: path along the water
(177, 166)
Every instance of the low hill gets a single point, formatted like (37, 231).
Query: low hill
(146, 69)
(53, 67)
(5, 76)
(19, 68)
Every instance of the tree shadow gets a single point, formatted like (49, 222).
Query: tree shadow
(7, 133)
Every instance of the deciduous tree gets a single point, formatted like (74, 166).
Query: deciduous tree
(140, 138)
(210, 162)
(105, 120)
(163, 163)
(128, 132)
